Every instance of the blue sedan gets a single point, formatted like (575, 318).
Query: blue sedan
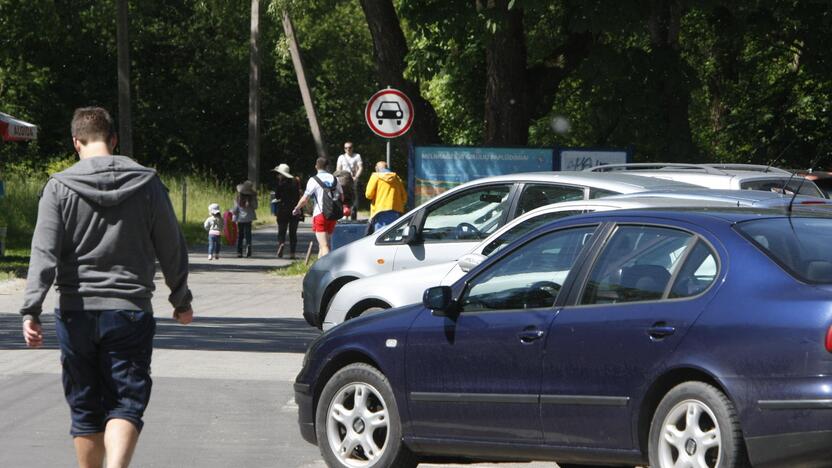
(685, 338)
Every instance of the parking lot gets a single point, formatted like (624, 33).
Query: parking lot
(222, 391)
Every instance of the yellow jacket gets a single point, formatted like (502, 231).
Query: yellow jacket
(386, 192)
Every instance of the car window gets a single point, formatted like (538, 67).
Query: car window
(791, 185)
(526, 226)
(537, 195)
(800, 245)
(600, 193)
(635, 265)
(467, 216)
(396, 234)
(698, 272)
(530, 277)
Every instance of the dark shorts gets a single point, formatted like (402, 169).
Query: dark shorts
(105, 357)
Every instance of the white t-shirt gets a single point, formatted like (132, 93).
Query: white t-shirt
(314, 190)
(349, 163)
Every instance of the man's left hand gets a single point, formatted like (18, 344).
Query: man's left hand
(183, 315)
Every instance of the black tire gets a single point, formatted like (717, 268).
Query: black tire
(715, 415)
(367, 383)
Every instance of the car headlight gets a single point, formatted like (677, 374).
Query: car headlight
(379, 114)
(398, 113)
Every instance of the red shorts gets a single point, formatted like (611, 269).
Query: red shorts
(321, 224)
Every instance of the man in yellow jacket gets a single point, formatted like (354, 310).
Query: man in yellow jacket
(387, 196)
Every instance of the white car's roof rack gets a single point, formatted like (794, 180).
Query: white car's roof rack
(718, 168)
(657, 167)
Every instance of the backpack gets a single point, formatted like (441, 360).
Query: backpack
(332, 207)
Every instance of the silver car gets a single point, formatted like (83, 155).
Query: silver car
(404, 287)
(449, 225)
(722, 176)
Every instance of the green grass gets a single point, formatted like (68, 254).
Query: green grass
(296, 268)
(19, 207)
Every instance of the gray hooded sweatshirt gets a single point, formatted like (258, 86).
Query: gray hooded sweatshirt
(101, 225)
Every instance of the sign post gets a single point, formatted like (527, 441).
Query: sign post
(389, 114)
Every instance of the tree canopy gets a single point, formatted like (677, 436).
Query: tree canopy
(676, 80)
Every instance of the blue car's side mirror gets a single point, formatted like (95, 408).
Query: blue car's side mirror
(439, 299)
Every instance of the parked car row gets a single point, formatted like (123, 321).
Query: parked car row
(612, 318)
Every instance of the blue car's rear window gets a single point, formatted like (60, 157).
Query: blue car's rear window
(800, 245)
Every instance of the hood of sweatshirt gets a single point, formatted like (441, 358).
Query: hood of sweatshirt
(388, 177)
(105, 180)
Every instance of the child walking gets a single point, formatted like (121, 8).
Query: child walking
(214, 224)
(245, 212)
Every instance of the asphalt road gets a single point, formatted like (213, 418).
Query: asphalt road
(222, 393)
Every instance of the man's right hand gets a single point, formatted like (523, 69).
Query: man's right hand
(33, 334)
(183, 315)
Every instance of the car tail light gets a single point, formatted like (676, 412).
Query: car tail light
(829, 339)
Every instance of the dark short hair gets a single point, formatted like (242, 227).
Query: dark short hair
(321, 163)
(91, 124)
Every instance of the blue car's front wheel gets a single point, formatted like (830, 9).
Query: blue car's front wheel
(357, 421)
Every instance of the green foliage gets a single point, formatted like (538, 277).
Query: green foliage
(296, 268)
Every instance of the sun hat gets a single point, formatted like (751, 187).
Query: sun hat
(246, 188)
(283, 169)
(214, 208)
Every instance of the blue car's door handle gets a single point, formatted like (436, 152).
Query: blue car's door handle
(527, 336)
(660, 330)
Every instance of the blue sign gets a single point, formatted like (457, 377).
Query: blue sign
(435, 169)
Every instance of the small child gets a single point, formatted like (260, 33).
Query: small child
(214, 224)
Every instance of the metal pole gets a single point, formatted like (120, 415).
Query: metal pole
(388, 154)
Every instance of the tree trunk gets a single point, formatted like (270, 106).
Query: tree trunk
(254, 96)
(125, 120)
(671, 84)
(390, 50)
(506, 94)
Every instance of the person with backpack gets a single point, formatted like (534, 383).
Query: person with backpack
(328, 206)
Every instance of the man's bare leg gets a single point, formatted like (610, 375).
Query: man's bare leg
(120, 438)
(89, 450)
(323, 243)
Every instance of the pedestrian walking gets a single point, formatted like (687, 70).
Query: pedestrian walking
(387, 196)
(214, 224)
(100, 226)
(287, 194)
(327, 194)
(244, 213)
(351, 162)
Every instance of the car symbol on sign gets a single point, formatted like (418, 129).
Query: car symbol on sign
(389, 110)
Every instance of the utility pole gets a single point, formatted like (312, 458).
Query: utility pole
(125, 121)
(254, 96)
(305, 92)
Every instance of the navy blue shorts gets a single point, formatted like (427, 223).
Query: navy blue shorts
(105, 357)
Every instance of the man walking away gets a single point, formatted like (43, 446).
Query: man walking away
(352, 163)
(318, 187)
(387, 196)
(100, 224)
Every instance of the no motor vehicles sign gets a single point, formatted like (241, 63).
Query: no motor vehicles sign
(389, 113)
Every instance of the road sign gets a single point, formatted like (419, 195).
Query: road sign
(389, 113)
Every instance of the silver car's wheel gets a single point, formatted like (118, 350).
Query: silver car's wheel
(357, 425)
(357, 421)
(696, 426)
(690, 437)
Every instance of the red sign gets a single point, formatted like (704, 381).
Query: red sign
(389, 113)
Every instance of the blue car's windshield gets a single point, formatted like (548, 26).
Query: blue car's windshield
(800, 245)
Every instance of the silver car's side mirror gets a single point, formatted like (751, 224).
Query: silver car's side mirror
(468, 261)
(409, 235)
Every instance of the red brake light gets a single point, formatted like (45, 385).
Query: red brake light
(829, 339)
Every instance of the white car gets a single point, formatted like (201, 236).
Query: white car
(722, 176)
(406, 286)
(450, 224)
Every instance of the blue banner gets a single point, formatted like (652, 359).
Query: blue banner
(435, 169)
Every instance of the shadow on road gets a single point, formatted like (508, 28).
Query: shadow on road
(275, 335)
